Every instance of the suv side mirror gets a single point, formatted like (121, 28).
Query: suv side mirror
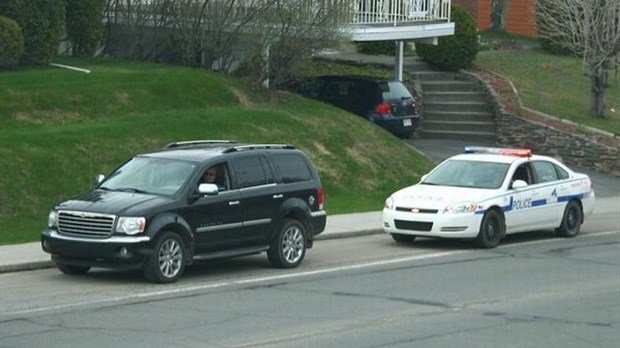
(98, 179)
(207, 189)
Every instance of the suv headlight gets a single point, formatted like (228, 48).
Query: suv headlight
(130, 225)
(52, 219)
(462, 207)
(389, 203)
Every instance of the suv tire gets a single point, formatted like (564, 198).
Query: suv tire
(288, 246)
(167, 262)
(72, 269)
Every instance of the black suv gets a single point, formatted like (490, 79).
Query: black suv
(387, 103)
(160, 211)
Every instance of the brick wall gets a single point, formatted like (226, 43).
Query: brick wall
(521, 17)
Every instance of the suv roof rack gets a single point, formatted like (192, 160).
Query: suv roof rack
(259, 147)
(198, 142)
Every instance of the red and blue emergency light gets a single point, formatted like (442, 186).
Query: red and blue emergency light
(499, 151)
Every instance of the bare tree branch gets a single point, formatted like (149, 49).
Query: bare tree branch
(590, 29)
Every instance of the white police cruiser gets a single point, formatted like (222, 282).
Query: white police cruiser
(487, 193)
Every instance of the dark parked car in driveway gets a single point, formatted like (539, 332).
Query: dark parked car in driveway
(387, 103)
(160, 211)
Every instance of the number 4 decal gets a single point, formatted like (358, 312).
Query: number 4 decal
(554, 193)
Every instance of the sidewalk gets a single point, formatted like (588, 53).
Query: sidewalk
(30, 256)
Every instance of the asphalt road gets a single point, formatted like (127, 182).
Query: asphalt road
(534, 290)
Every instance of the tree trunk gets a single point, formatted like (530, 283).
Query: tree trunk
(598, 84)
(499, 12)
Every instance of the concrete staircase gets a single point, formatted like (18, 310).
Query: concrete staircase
(453, 106)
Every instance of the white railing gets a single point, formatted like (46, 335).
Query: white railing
(400, 11)
(360, 11)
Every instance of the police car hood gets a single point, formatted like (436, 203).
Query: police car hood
(113, 202)
(437, 197)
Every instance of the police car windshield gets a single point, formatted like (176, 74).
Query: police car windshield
(474, 174)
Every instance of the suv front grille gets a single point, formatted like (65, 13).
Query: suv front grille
(84, 224)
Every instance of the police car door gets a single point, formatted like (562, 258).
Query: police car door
(523, 211)
(552, 188)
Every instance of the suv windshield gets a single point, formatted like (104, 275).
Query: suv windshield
(150, 175)
(474, 174)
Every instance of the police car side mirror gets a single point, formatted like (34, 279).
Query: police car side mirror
(423, 177)
(517, 184)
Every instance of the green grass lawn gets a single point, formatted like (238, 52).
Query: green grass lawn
(59, 128)
(556, 85)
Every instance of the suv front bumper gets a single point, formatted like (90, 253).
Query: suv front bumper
(115, 252)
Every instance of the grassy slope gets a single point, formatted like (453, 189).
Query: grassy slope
(553, 84)
(59, 128)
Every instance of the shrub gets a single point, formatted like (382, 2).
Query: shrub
(42, 23)
(84, 25)
(457, 51)
(387, 48)
(11, 42)
(376, 47)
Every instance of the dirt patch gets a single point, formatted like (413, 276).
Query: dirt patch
(243, 99)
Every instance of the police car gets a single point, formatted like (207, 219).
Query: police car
(486, 193)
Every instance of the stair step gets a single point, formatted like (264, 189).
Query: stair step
(460, 126)
(484, 137)
(458, 116)
(437, 106)
(432, 75)
(454, 85)
(454, 96)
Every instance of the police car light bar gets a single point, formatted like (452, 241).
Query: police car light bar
(499, 151)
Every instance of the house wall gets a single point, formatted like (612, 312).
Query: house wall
(521, 18)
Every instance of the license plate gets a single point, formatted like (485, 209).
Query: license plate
(407, 122)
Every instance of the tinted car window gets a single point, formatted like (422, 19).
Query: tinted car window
(545, 171)
(394, 90)
(253, 171)
(293, 168)
(562, 174)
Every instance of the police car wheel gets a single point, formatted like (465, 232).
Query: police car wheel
(571, 220)
(402, 238)
(491, 230)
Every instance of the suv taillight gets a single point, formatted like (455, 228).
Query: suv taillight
(320, 196)
(383, 108)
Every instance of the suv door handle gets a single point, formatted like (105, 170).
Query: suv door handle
(278, 196)
(233, 203)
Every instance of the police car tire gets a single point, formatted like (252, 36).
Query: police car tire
(571, 220)
(402, 238)
(491, 230)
